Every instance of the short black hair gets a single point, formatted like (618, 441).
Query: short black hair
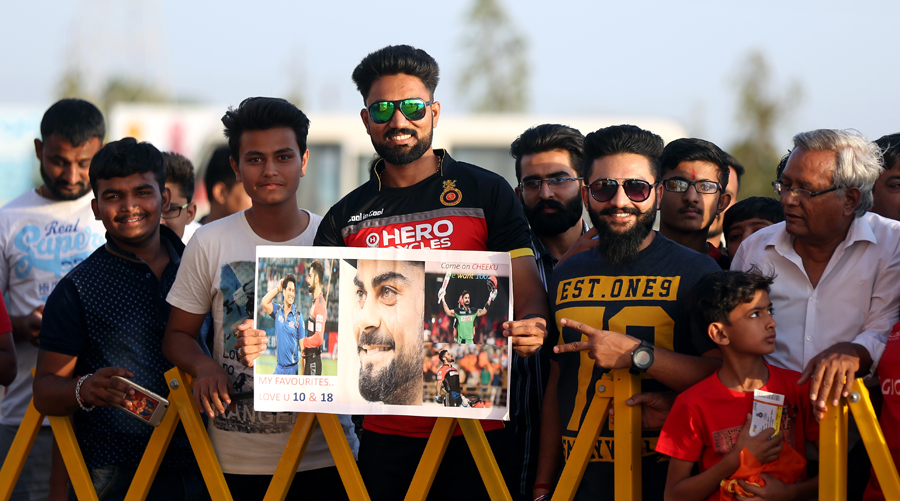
(319, 270)
(782, 164)
(125, 157)
(180, 171)
(549, 137)
(441, 355)
(394, 60)
(738, 168)
(75, 120)
(690, 149)
(753, 207)
(619, 139)
(263, 113)
(218, 170)
(717, 294)
(890, 149)
(289, 278)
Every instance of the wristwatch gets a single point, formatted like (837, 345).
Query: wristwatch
(641, 358)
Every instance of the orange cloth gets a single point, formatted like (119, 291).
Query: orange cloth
(789, 468)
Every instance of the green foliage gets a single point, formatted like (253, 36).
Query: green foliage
(760, 112)
(495, 77)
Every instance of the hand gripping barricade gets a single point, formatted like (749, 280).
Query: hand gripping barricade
(184, 409)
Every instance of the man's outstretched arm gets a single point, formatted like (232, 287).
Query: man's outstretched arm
(180, 346)
(612, 350)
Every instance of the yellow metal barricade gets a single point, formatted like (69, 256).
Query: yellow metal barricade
(183, 409)
(833, 447)
(627, 438)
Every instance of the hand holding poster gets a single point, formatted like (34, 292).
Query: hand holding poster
(383, 331)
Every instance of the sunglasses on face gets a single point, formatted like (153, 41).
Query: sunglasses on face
(678, 185)
(413, 109)
(604, 190)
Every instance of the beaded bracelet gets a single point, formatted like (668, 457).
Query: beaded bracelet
(78, 394)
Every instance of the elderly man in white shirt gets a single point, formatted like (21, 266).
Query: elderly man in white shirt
(837, 286)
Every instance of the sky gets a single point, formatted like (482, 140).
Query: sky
(675, 60)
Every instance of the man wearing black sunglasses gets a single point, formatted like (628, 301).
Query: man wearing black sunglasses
(623, 302)
(421, 198)
(695, 173)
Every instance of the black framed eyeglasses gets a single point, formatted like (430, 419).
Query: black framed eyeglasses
(678, 185)
(604, 190)
(534, 185)
(413, 109)
(173, 212)
(782, 190)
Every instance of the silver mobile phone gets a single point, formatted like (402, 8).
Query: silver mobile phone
(148, 406)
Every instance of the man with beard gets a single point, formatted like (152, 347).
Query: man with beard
(465, 316)
(390, 299)
(311, 346)
(289, 329)
(695, 173)
(44, 233)
(422, 198)
(548, 167)
(624, 303)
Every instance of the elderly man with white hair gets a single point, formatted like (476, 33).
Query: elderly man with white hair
(837, 290)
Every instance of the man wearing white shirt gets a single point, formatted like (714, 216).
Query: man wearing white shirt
(837, 267)
(44, 233)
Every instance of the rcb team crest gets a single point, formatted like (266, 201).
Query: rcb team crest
(451, 195)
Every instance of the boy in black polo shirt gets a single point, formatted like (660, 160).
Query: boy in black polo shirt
(106, 318)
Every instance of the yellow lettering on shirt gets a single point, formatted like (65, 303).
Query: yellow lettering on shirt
(602, 288)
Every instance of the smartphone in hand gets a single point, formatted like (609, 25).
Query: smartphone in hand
(147, 406)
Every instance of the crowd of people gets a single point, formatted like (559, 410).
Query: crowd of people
(691, 307)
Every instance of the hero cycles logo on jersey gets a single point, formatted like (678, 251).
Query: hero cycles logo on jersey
(424, 235)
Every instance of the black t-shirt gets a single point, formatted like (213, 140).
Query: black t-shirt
(645, 298)
(460, 207)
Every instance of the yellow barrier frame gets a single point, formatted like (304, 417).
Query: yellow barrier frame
(833, 447)
(184, 409)
(626, 438)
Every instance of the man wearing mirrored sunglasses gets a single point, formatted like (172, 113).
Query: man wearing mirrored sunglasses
(548, 168)
(421, 198)
(624, 304)
(694, 174)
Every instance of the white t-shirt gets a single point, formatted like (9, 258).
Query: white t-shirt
(189, 230)
(217, 272)
(40, 241)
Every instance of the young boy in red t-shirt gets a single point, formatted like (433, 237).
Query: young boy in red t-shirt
(710, 422)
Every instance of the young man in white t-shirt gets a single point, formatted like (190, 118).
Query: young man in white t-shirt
(44, 233)
(267, 137)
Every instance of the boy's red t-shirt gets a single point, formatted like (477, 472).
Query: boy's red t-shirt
(706, 419)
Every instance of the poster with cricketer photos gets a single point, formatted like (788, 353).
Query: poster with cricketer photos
(383, 331)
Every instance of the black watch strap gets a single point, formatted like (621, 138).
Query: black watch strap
(642, 358)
